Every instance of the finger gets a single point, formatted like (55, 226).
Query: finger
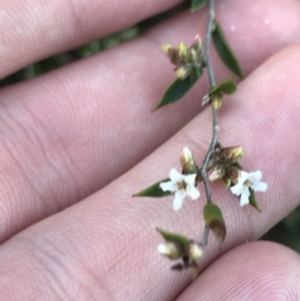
(69, 133)
(44, 168)
(43, 29)
(255, 271)
(93, 244)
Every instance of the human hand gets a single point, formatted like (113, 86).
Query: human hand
(69, 133)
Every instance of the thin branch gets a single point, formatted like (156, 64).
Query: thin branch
(210, 24)
(212, 82)
(215, 127)
(204, 240)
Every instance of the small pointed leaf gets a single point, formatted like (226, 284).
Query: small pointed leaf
(252, 200)
(214, 219)
(228, 86)
(179, 88)
(154, 191)
(225, 52)
(196, 4)
(174, 237)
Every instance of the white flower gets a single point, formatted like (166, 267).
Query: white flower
(181, 185)
(245, 181)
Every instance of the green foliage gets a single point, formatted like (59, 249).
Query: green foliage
(228, 87)
(225, 52)
(154, 191)
(197, 4)
(287, 231)
(174, 237)
(252, 199)
(214, 219)
(179, 88)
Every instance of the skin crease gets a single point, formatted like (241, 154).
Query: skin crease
(50, 159)
(51, 138)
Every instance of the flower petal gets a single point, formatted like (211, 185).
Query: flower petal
(178, 201)
(193, 192)
(245, 197)
(243, 176)
(190, 179)
(237, 189)
(260, 186)
(168, 186)
(255, 176)
(175, 176)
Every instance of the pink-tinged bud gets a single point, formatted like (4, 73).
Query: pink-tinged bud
(195, 250)
(187, 162)
(216, 173)
(170, 249)
(197, 44)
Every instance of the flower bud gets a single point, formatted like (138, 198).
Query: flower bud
(170, 249)
(182, 51)
(166, 48)
(227, 182)
(216, 173)
(195, 250)
(216, 100)
(197, 44)
(172, 53)
(233, 174)
(187, 162)
(183, 72)
(233, 154)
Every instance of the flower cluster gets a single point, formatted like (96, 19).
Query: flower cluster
(185, 58)
(223, 165)
(220, 163)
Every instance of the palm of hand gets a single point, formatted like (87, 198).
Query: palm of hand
(68, 134)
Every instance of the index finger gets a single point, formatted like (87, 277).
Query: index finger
(35, 29)
(105, 246)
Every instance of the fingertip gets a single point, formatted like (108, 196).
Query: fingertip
(254, 271)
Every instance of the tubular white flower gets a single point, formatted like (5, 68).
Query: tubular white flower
(182, 186)
(245, 181)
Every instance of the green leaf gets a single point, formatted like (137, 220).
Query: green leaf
(225, 52)
(179, 88)
(174, 237)
(228, 86)
(154, 191)
(214, 219)
(252, 199)
(196, 4)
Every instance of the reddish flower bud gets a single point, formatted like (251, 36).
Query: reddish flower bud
(216, 173)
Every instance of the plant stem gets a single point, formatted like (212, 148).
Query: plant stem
(215, 127)
(204, 240)
(212, 83)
